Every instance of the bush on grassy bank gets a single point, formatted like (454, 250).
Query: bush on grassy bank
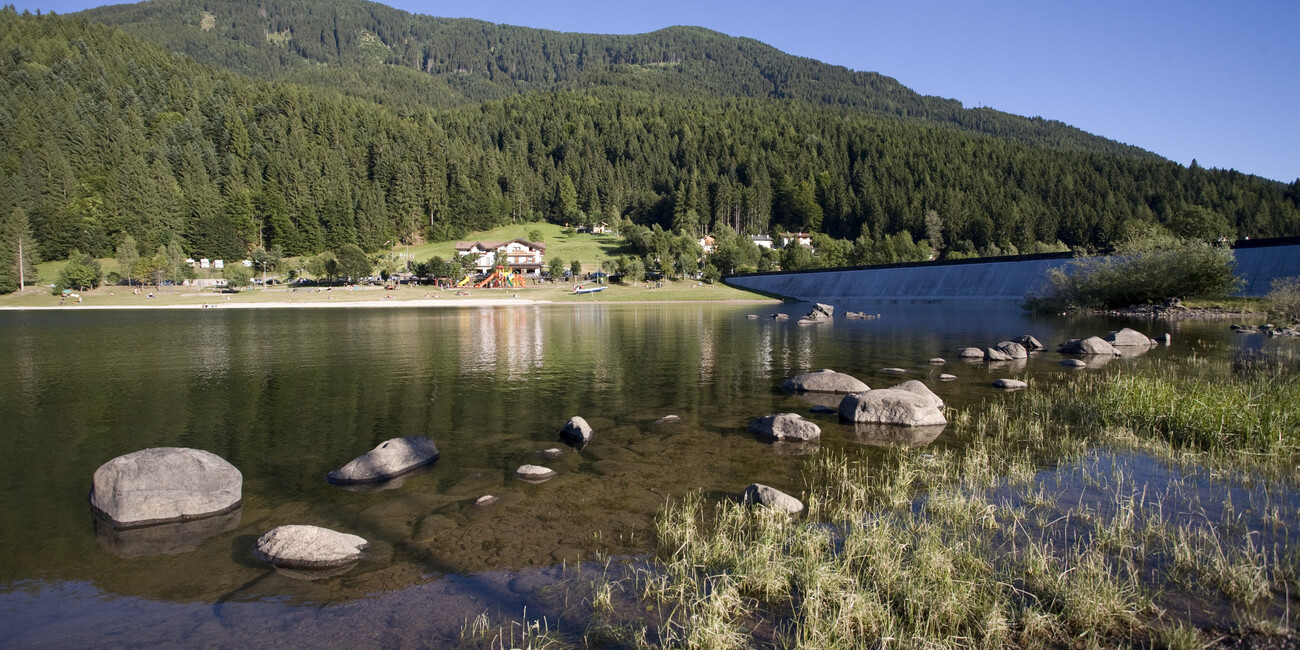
(1284, 299)
(1148, 270)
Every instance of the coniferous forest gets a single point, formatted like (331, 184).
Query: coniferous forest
(310, 126)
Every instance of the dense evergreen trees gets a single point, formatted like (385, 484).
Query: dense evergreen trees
(103, 136)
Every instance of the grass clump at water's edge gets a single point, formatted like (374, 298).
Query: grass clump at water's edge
(1075, 515)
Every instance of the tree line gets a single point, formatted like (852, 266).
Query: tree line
(103, 136)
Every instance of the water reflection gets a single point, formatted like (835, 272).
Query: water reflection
(163, 539)
(885, 435)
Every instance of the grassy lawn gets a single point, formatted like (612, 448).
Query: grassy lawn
(561, 293)
(588, 249)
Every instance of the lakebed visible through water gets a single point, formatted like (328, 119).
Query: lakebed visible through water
(288, 395)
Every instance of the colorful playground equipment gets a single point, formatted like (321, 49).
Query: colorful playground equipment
(502, 277)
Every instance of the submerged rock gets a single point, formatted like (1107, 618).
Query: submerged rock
(389, 459)
(893, 371)
(759, 494)
(1009, 384)
(785, 426)
(892, 435)
(576, 431)
(486, 500)
(165, 484)
(534, 473)
(551, 453)
(669, 419)
(938, 361)
(947, 377)
(825, 381)
(309, 547)
(1074, 363)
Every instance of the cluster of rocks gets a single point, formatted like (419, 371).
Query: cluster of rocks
(167, 485)
(821, 313)
(1017, 348)
(1268, 330)
(1113, 344)
(576, 433)
(908, 406)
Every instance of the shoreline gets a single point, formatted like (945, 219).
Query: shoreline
(359, 304)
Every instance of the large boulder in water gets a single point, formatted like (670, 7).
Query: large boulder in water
(576, 431)
(891, 406)
(994, 354)
(1029, 342)
(825, 381)
(1012, 349)
(164, 484)
(921, 390)
(820, 312)
(1090, 345)
(785, 426)
(970, 353)
(1128, 337)
(762, 495)
(308, 547)
(391, 458)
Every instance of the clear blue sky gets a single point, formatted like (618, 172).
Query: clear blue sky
(1206, 79)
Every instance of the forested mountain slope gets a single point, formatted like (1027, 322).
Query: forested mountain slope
(103, 135)
(383, 54)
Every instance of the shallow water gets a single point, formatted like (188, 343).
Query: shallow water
(287, 396)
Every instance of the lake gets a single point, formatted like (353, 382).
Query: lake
(288, 395)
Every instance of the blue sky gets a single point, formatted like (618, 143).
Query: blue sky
(1211, 80)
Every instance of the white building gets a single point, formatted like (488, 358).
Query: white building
(520, 255)
(761, 241)
(802, 238)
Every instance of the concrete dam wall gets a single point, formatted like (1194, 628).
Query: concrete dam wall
(1258, 262)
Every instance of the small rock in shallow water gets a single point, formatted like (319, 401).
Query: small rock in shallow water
(308, 547)
(389, 459)
(893, 371)
(551, 454)
(1074, 363)
(938, 361)
(486, 500)
(534, 473)
(576, 431)
(669, 419)
(785, 426)
(1010, 384)
(947, 377)
(970, 353)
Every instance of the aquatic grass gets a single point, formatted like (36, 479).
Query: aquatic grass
(1028, 530)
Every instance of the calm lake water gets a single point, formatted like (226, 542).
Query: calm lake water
(288, 395)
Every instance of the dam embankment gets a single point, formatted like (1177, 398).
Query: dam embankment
(1259, 262)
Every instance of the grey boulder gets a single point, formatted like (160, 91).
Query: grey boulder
(1074, 363)
(762, 495)
(1128, 337)
(1013, 349)
(389, 459)
(1029, 342)
(165, 484)
(825, 381)
(994, 354)
(785, 426)
(891, 406)
(308, 547)
(970, 353)
(576, 431)
(921, 390)
(1090, 345)
(1009, 384)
